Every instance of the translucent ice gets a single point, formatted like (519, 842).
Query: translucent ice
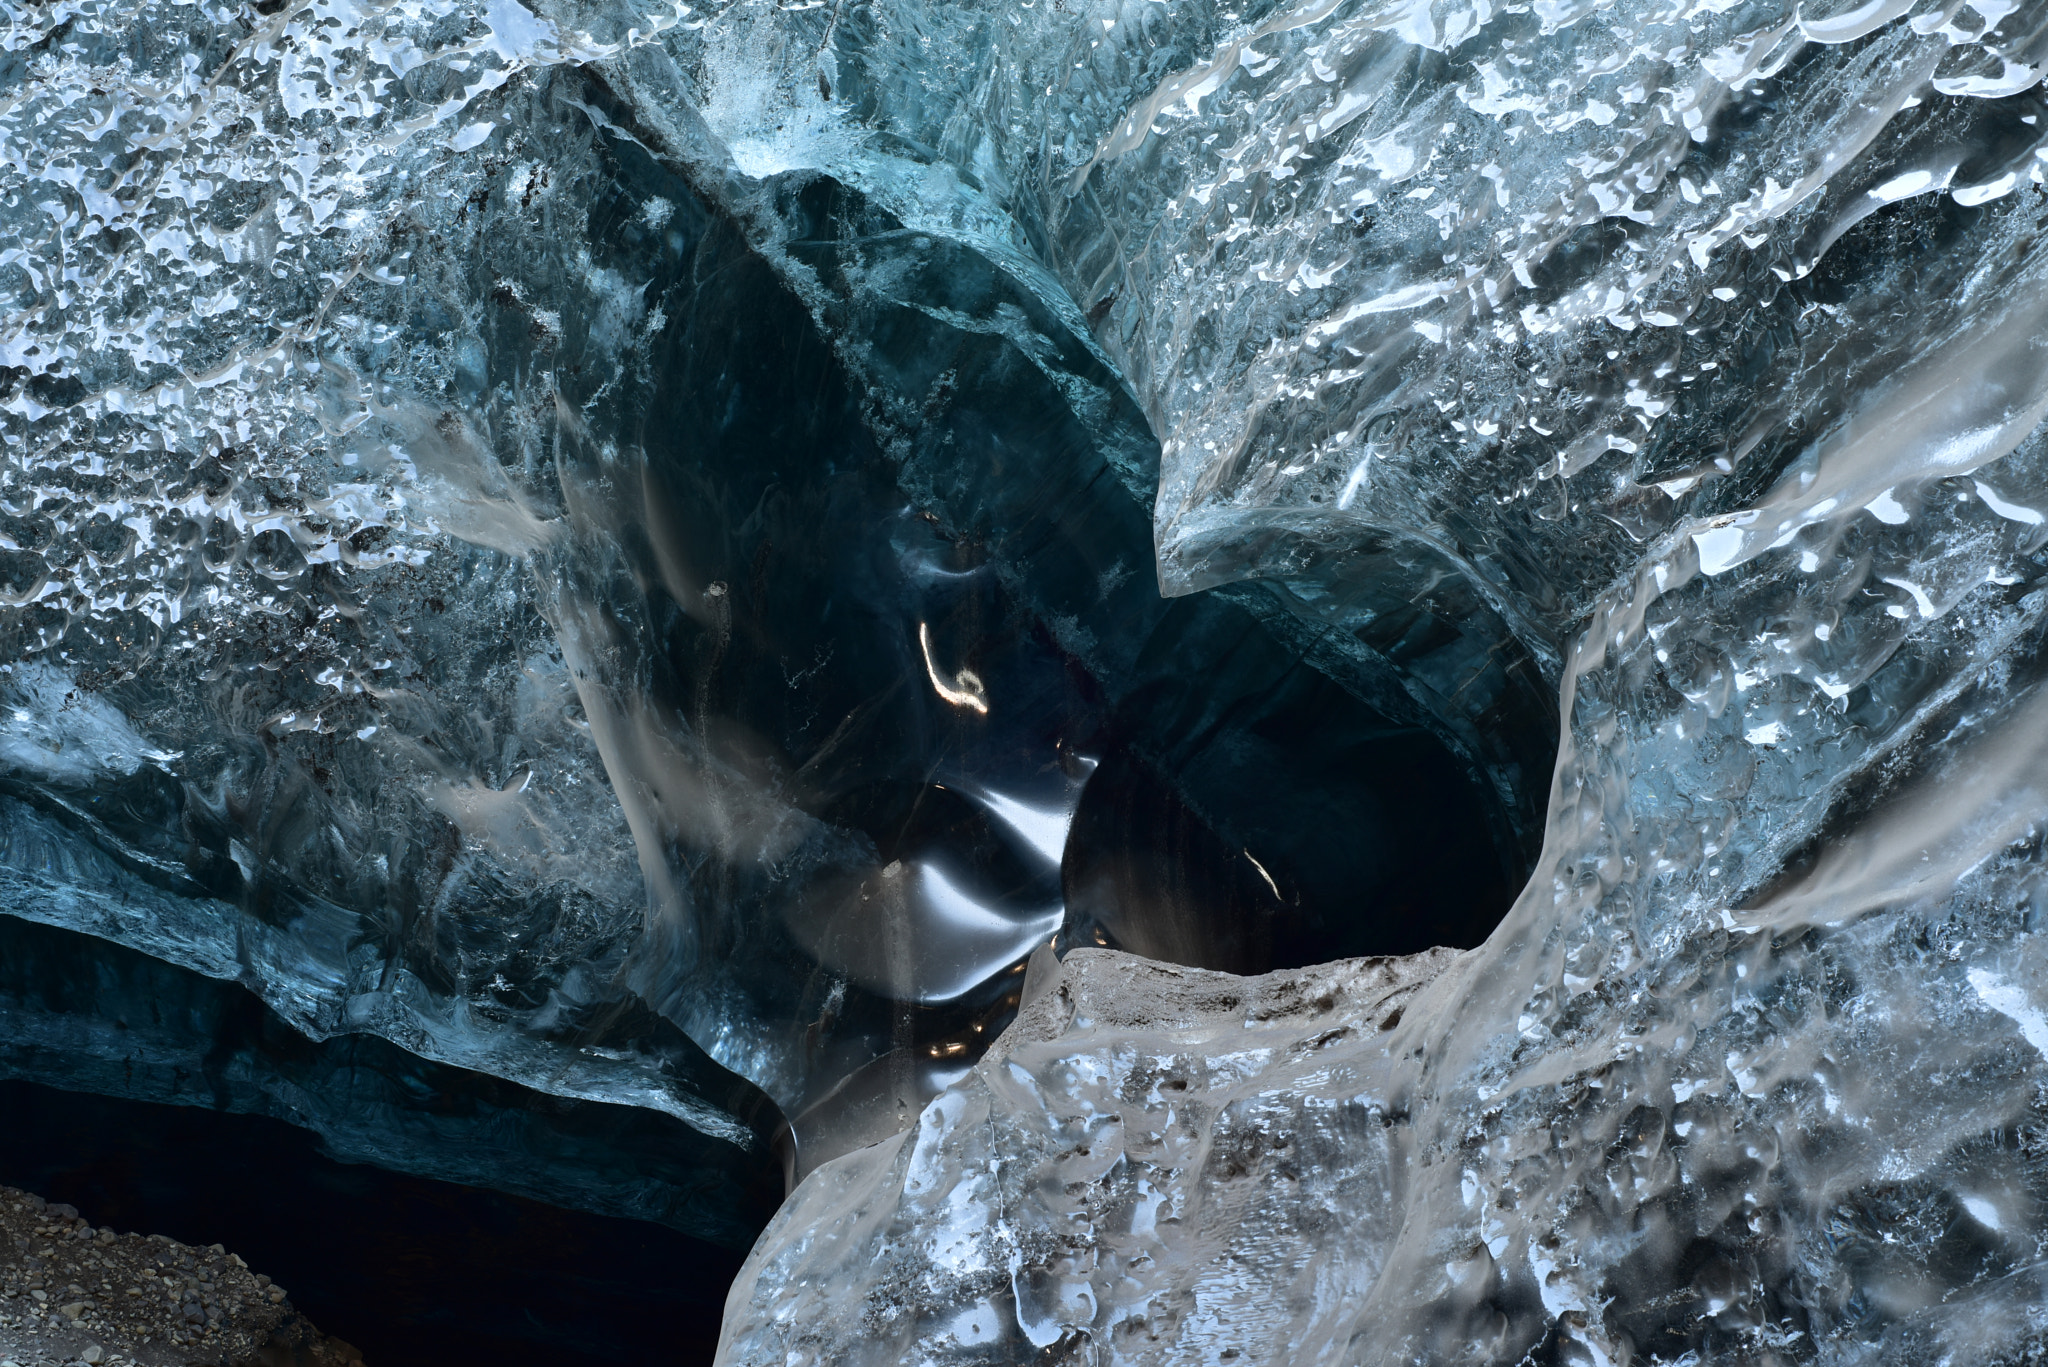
(1705, 342)
(518, 522)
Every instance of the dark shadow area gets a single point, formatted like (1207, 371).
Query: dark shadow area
(415, 1273)
(1265, 797)
(1250, 814)
(85, 1014)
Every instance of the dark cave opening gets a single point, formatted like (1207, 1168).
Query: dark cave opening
(1250, 813)
(414, 1272)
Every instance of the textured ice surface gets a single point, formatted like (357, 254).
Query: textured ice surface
(1705, 342)
(1163, 1158)
(507, 577)
(419, 420)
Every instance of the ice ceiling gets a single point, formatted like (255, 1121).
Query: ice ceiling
(582, 586)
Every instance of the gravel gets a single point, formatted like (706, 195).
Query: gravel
(70, 1293)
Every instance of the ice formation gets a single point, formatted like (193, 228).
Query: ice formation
(487, 575)
(602, 549)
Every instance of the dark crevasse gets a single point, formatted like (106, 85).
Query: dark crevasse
(1251, 812)
(962, 580)
(876, 601)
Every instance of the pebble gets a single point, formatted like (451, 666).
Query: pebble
(70, 1293)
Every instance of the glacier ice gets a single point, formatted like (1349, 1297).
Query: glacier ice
(519, 522)
(1176, 1156)
(479, 582)
(1703, 343)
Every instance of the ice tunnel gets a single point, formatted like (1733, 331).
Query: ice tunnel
(1123, 681)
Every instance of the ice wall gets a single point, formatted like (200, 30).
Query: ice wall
(1206, 1166)
(1680, 362)
(1708, 341)
(522, 586)
(282, 710)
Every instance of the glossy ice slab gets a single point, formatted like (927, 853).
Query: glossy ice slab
(1153, 1163)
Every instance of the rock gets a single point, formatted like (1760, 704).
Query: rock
(169, 1305)
(94, 1355)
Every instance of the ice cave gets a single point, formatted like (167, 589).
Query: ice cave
(910, 683)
